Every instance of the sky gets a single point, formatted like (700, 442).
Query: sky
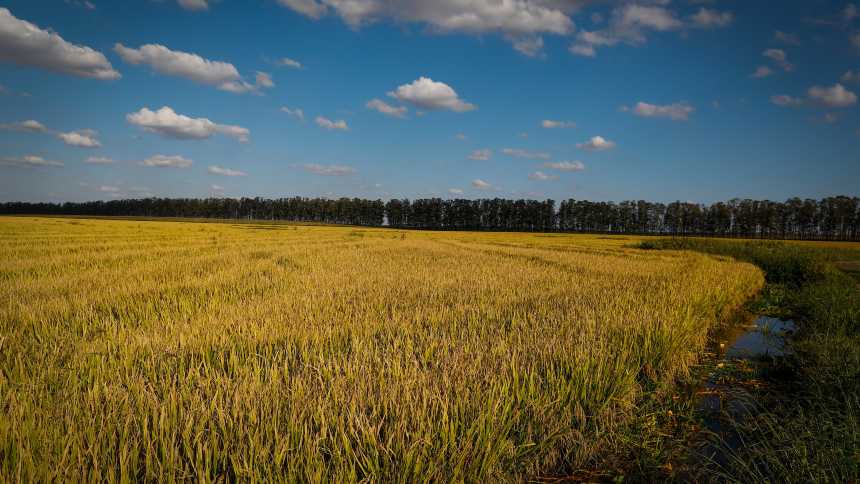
(692, 100)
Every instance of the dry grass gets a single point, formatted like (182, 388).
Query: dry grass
(161, 351)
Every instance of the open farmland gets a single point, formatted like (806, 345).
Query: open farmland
(166, 350)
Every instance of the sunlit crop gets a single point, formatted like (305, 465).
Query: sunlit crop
(137, 350)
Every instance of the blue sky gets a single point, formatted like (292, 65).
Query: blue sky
(685, 100)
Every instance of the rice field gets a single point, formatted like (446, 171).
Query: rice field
(143, 350)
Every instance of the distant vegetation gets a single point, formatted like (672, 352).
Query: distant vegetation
(834, 218)
(157, 351)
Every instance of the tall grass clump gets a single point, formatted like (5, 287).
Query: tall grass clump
(807, 428)
(164, 351)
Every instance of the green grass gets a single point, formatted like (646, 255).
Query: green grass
(805, 426)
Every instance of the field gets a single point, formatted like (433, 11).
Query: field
(141, 350)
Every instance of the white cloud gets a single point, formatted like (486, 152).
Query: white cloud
(296, 112)
(529, 45)
(28, 126)
(328, 170)
(287, 62)
(81, 139)
(830, 118)
(835, 96)
(481, 155)
(786, 101)
(708, 19)
(385, 108)
(168, 123)
(429, 94)
(264, 79)
(550, 124)
(541, 176)
(193, 67)
(470, 16)
(194, 5)
(850, 12)
(217, 170)
(596, 143)
(29, 161)
(108, 189)
(676, 112)
(585, 50)
(25, 44)
(786, 38)
(481, 184)
(779, 57)
(83, 4)
(99, 160)
(631, 22)
(455, 191)
(163, 161)
(851, 76)
(310, 8)
(531, 155)
(460, 136)
(762, 72)
(565, 166)
(328, 124)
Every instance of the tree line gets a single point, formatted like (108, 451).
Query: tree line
(832, 218)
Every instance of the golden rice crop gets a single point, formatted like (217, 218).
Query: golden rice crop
(140, 350)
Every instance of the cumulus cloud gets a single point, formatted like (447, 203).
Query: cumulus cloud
(481, 184)
(330, 125)
(429, 94)
(786, 101)
(387, 109)
(762, 72)
(85, 138)
(217, 170)
(631, 22)
(287, 62)
(26, 44)
(541, 176)
(222, 75)
(28, 126)
(531, 155)
(676, 112)
(455, 191)
(264, 79)
(162, 161)
(835, 96)
(99, 160)
(529, 45)
(194, 5)
(550, 124)
(850, 12)
(786, 38)
(108, 189)
(328, 170)
(29, 161)
(443, 16)
(168, 123)
(295, 112)
(851, 76)
(708, 19)
(481, 155)
(310, 8)
(565, 166)
(780, 58)
(596, 143)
